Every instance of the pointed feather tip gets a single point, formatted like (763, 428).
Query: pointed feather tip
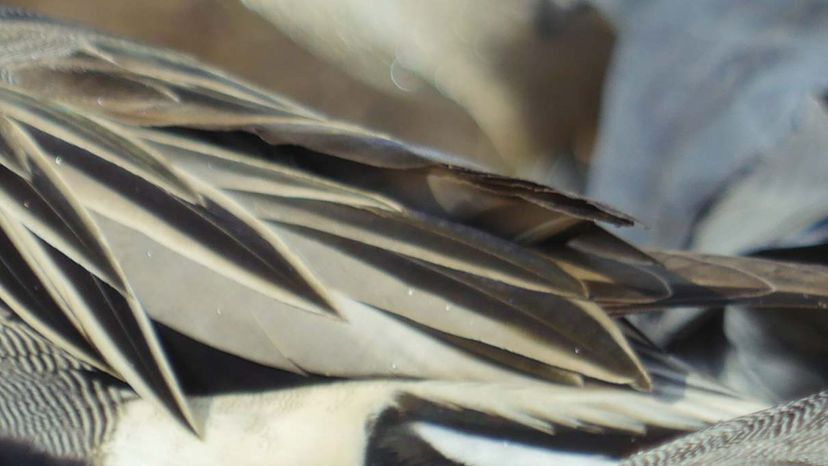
(642, 382)
(175, 403)
(196, 426)
(324, 302)
(172, 400)
(184, 415)
(641, 379)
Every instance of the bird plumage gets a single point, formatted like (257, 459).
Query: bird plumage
(148, 198)
(529, 72)
(793, 433)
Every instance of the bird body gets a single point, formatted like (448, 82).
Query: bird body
(204, 267)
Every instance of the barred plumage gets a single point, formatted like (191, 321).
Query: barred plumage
(792, 433)
(49, 399)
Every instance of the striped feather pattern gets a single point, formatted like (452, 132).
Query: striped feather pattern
(50, 400)
(792, 433)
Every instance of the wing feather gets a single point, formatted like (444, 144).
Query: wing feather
(139, 183)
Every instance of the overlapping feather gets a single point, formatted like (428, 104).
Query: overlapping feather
(138, 185)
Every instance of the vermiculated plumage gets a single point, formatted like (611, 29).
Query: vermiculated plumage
(793, 433)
